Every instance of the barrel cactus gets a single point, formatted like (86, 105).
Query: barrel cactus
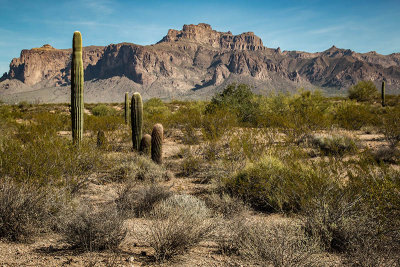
(145, 144)
(136, 120)
(77, 79)
(127, 109)
(383, 94)
(156, 143)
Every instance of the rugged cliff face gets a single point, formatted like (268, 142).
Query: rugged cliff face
(196, 61)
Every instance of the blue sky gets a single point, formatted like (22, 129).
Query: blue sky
(313, 25)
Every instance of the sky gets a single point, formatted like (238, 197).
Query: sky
(305, 25)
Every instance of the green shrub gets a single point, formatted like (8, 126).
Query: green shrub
(363, 91)
(103, 110)
(272, 185)
(237, 99)
(391, 125)
(353, 116)
(47, 160)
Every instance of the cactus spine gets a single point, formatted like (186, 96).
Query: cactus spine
(383, 94)
(145, 144)
(157, 136)
(136, 120)
(77, 79)
(127, 109)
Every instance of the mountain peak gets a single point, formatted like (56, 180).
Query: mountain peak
(203, 33)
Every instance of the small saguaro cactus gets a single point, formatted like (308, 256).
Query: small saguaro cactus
(136, 120)
(157, 137)
(383, 94)
(101, 139)
(127, 109)
(145, 144)
(77, 79)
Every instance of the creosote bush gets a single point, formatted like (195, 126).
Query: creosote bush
(271, 185)
(90, 230)
(177, 223)
(363, 91)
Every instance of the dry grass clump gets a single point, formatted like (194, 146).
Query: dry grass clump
(93, 230)
(137, 167)
(269, 243)
(25, 209)
(335, 145)
(388, 154)
(177, 224)
(225, 205)
(138, 201)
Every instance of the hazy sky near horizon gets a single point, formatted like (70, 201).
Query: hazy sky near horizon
(306, 25)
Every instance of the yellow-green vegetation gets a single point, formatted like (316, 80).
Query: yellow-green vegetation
(330, 166)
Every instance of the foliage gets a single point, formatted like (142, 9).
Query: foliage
(363, 91)
(178, 223)
(93, 230)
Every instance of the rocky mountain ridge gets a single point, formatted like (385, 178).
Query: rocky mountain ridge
(195, 62)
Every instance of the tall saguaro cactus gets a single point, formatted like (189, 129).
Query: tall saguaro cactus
(127, 109)
(77, 79)
(383, 94)
(136, 120)
(157, 136)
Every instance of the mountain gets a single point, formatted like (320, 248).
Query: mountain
(194, 62)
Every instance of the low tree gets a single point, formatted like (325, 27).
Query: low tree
(363, 91)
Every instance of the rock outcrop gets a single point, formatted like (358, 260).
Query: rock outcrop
(199, 60)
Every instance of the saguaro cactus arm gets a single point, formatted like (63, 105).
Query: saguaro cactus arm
(77, 80)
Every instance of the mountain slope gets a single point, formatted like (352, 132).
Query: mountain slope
(193, 63)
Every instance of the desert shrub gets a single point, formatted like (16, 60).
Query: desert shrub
(237, 99)
(25, 209)
(225, 205)
(155, 111)
(104, 123)
(137, 167)
(177, 224)
(139, 201)
(363, 91)
(92, 230)
(387, 154)
(359, 218)
(216, 124)
(273, 243)
(188, 118)
(273, 185)
(103, 110)
(391, 126)
(190, 165)
(335, 145)
(353, 116)
(297, 114)
(48, 160)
